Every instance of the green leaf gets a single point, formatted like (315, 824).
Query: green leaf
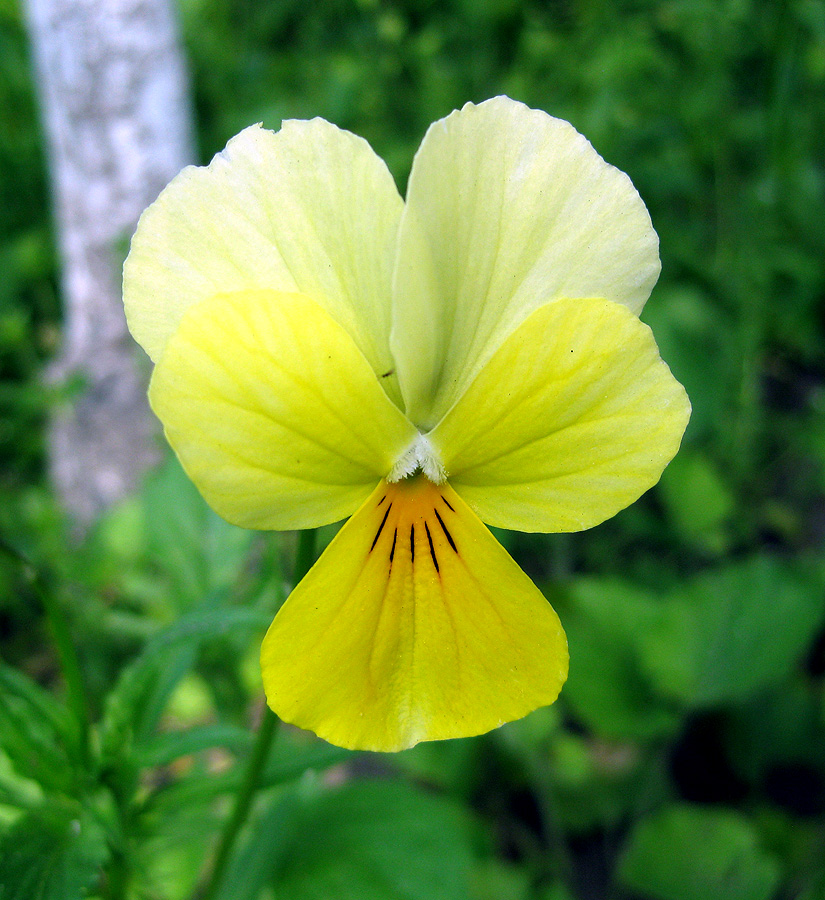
(684, 318)
(125, 703)
(733, 631)
(608, 688)
(555, 891)
(691, 853)
(165, 748)
(197, 551)
(30, 745)
(495, 880)
(16, 789)
(370, 840)
(38, 734)
(382, 840)
(161, 686)
(782, 726)
(52, 853)
(40, 702)
(597, 784)
(452, 766)
(286, 764)
(698, 500)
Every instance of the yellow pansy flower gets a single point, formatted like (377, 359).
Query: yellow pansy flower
(325, 349)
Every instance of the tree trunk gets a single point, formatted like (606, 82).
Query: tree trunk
(115, 105)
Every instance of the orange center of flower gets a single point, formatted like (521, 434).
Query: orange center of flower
(413, 525)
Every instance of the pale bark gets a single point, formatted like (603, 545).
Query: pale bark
(114, 97)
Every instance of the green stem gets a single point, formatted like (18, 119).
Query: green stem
(304, 555)
(66, 653)
(304, 558)
(118, 872)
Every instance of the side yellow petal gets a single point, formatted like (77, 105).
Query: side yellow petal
(273, 411)
(507, 208)
(309, 209)
(573, 419)
(415, 624)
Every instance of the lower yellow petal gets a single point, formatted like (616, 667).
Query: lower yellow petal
(415, 624)
(274, 412)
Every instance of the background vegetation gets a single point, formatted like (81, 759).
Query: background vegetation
(686, 757)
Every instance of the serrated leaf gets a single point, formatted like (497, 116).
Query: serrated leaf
(37, 733)
(31, 746)
(54, 852)
(285, 765)
(692, 853)
(163, 685)
(197, 551)
(17, 790)
(124, 704)
(40, 702)
(165, 748)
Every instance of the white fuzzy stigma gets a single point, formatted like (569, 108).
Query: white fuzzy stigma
(419, 455)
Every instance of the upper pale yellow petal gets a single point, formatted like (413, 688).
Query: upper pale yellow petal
(273, 411)
(414, 625)
(310, 209)
(507, 208)
(571, 420)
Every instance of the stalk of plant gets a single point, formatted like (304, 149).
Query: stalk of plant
(267, 732)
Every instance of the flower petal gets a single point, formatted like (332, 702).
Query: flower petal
(507, 208)
(310, 209)
(415, 624)
(274, 413)
(572, 419)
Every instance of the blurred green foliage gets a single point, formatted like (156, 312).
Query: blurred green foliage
(686, 757)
